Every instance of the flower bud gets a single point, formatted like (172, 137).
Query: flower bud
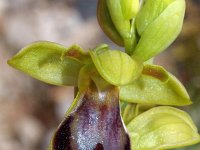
(117, 19)
(106, 23)
(158, 23)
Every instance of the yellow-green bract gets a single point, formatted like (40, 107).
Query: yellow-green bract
(162, 128)
(155, 86)
(158, 23)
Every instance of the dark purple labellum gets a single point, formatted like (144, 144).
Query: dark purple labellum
(95, 124)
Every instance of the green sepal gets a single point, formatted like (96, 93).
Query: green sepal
(48, 62)
(162, 128)
(114, 66)
(106, 23)
(155, 86)
(161, 32)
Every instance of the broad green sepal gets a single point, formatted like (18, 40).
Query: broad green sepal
(162, 128)
(159, 31)
(114, 66)
(155, 86)
(106, 23)
(48, 62)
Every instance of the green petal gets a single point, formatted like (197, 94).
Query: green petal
(48, 62)
(161, 32)
(114, 66)
(155, 86)
(162, 128)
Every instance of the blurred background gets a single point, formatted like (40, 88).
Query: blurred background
(31, 110)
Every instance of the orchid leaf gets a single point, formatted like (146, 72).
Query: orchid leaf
(49, 62)
(162, 128)
(161, 32)
(155, 86)
(114, 66)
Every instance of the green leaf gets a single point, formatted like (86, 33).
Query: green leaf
(162, 128)
(155, 86)
(48, 62)
(114, 66)
(161, 32)
(106, 23)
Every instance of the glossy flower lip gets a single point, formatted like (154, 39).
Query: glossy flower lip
(95, 123)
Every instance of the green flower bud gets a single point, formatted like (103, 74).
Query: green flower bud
(117, 19)
(106, 23)
(129, 8)
(158, 23)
